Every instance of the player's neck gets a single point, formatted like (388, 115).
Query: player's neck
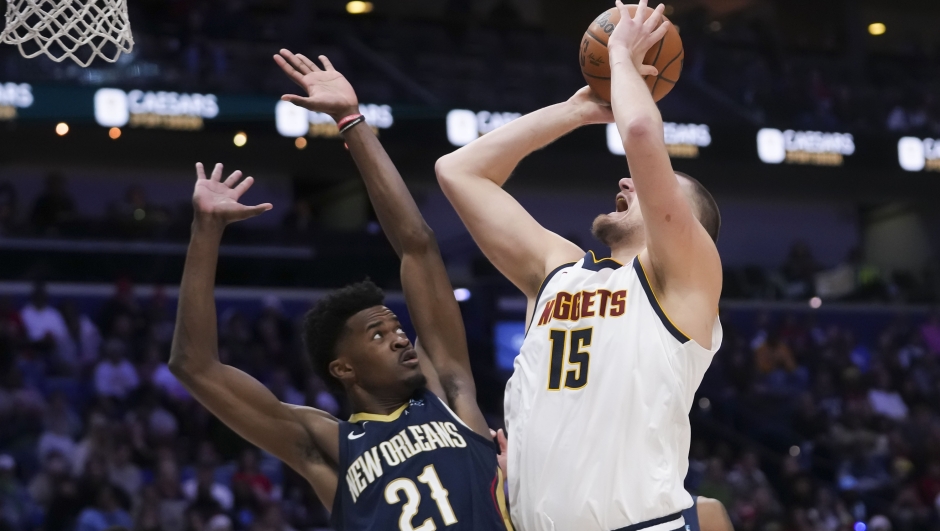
(362, 401)
(625, 252)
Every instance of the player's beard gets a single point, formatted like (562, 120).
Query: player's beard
(616, 233)
(416, 381)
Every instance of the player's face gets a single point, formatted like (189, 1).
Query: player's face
(382, 359)
(623, 226)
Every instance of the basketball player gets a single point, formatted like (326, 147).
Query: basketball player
(597, 407)
(406, 459)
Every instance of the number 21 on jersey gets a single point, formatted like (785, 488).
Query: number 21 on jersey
(413, 500)
(573, 342)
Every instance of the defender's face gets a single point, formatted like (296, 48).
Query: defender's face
(381, 358)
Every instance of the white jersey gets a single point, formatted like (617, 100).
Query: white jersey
(597, 409)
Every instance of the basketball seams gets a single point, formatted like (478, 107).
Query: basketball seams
(660, 77)
(591, 35)
(601, 83)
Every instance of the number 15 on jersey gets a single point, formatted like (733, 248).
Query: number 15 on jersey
(579, 360)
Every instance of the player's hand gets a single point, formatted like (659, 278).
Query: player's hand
(327, 90)
(593, 110)
(215, 201)
(503, 451)
(637, 34)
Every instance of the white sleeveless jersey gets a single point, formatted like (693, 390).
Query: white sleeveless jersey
(597, 409)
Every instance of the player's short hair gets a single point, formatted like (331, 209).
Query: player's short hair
(325, 323)
(708, 214)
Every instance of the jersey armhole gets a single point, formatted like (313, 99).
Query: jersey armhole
(538, 296)
(654, 302)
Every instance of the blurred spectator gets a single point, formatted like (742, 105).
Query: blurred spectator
(105, 513)
(123, 473)
(115, 376)
(53, 208)
(203, 490)
(44, 324)
(251, 487)
(55, 472)
(885, 400)
(715, 484)
(97, 441)
(83, 334)
(773, 354)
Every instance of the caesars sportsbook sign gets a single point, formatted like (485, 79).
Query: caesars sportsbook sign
(804, 147)
(293, 121)
(154, 110)
(683, 141)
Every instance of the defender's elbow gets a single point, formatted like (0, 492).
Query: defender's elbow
(420, 239)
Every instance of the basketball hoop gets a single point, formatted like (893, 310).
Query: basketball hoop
(65, 28)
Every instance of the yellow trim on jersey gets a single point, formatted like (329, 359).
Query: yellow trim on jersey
(596, 261)
(501, 500)
(653, 291)
(372, 417)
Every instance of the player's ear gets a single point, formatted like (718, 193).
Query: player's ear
(342, 370)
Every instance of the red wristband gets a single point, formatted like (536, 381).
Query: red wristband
(346, 120)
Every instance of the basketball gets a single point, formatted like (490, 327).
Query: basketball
(667, 56)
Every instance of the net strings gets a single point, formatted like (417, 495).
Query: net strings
(61, 28)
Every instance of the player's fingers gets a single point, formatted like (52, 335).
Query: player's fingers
(310, 64)
(624, 14)
(327, 65)
(503, 443)
(244, 186)
(200, 171)
(250, 212)
(660, 32)
(655, 19)
(232, 179)
(648, 70)
(295, 62)
(217, 172)
(640, 14)
(293, 98)
(291, 72)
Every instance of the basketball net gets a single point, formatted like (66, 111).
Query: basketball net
(67, 28)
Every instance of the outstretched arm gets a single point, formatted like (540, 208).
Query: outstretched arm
(304, 438)
(682, 257)
(428, 291)
(472, 178)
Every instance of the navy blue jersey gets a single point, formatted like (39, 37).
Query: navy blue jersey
(419, 468)
(691, 516)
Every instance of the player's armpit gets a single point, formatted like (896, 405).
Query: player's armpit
(515, 243)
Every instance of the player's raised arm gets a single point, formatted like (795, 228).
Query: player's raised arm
(428, 291)
(304, 438)
(682, 255)
(472, 178)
